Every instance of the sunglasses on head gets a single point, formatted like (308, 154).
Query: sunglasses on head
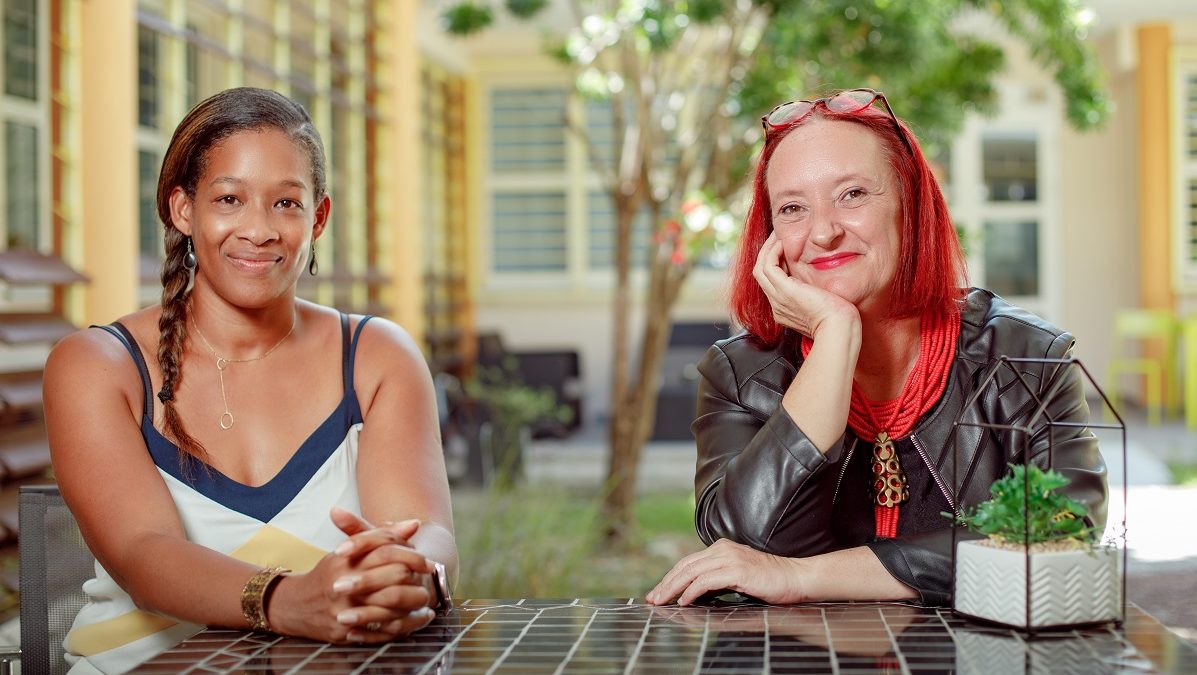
(848, 101)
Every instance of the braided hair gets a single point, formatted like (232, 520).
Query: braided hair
(210, 122)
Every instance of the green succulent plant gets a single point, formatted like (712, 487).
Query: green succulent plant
(1046, 516)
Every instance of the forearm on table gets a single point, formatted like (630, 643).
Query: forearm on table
(174, 577)
(850, 574)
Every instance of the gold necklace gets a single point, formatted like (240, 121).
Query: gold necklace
(222, 363)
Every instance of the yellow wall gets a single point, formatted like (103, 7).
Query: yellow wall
(108, 115)
(400, 184)
(1155, 180)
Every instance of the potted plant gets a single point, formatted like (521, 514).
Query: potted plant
(511, 407)
(1031, 529)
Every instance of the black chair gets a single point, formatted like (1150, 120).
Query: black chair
(54, 564)
(678, 394)
(464, 427)
(558, 370)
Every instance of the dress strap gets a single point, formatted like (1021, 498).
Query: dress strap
(346, 359)
(352, 351)
(117, 329)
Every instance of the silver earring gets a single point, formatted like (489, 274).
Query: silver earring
(190, 262)
(313, 266)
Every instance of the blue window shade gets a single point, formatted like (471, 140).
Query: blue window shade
(529, 232)
(147, 77)
(1010, 168)
(21, 178)
(1189, 114)
(1012, 257)
(601, 217)
(20, 48)
(149, 230)
(600, 130)
(527, 129)
(1190, 216)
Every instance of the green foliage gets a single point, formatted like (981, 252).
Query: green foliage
(933, 74)
(525, 8)
(513, 407)
(1046, 516)
(467, 17)
(512, 403)
(522, 543)
(543, 542)
(1183, 473)
(1056, 38)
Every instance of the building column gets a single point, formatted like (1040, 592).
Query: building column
(108, 158)
(1155, 173)
(399, 187)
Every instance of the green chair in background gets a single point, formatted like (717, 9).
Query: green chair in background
(1189, 340)
(1158, 368)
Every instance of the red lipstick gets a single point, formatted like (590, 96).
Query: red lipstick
(829, 262)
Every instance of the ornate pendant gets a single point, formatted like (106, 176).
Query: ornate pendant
(889, 482)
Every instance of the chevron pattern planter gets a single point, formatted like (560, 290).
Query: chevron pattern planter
(1067, 587)
(987, 652)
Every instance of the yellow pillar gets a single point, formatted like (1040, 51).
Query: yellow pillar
(108, 157)
(399, 186)
(1155, 173)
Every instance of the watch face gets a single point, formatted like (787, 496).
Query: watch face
(441, 580)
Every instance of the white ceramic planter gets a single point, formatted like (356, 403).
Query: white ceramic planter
(988, 652)
(1067, 587)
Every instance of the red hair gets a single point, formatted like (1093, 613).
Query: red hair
(931, 269)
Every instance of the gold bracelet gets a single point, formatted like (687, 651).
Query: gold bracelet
(253, 596)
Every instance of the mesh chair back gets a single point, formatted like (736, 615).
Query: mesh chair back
(54, 564)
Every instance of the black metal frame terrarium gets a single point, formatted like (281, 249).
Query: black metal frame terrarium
(1057, 591)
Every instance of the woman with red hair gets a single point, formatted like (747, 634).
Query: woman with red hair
(825, 429)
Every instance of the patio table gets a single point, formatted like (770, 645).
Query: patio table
(627, 636)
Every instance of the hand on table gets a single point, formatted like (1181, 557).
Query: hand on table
(728, 565)
(372, 588)
(796, 304)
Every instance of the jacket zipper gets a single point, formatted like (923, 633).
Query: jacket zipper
(843, 470)
(934, 474)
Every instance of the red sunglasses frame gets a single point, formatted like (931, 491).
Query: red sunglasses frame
(847, 101)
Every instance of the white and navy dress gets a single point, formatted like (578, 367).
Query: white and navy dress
(283, 522)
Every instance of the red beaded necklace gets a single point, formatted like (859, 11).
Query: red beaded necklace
(887, 421)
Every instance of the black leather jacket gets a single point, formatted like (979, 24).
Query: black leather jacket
(762, 483)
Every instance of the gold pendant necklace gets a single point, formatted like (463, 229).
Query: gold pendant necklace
(889, 482)
(226, 418)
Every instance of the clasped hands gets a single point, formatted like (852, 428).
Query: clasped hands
(372, 588)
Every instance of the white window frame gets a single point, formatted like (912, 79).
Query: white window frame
(971, 210)
(577, 181)
(35, 114)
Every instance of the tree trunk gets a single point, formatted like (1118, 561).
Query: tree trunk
(634, 411)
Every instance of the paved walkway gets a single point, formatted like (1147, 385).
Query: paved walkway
(1162, 567)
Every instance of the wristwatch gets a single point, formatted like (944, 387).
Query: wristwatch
(440, 584)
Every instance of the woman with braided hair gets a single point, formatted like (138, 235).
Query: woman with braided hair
(201, 459)
(826, 446)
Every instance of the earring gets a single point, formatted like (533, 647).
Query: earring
(313, 266)
(190, 262)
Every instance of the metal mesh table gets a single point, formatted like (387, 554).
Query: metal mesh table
(622, 636)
